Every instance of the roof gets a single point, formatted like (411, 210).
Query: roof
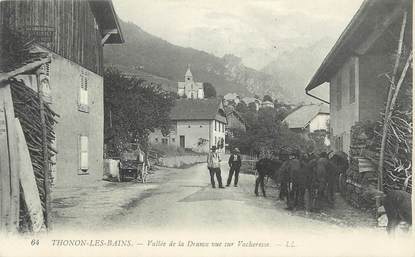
(231, 96)
(188, 73)
(249, 100)
(230, 110)
(301, 117)
(366, 20)
(107, 20)
(17, 55)
(198, 109)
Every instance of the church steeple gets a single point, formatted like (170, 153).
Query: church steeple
(188, 76)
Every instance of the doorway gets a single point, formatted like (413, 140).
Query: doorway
(182, 142)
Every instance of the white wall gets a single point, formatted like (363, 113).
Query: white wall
(64, 80)
(319, 122)
(192, 131)
(343, 118)
(217, 134)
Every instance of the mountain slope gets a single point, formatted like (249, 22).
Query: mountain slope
(152, 55)
(295, 68)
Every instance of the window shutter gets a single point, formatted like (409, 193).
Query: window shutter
(83, 92)
(83, 147)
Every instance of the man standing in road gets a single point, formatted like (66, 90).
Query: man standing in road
(213, 164)
(234, 167)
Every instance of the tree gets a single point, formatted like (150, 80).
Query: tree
(241, 107)
(209, 90)
(265, 133)
(252, 106)
(267, 98)
(133, 109)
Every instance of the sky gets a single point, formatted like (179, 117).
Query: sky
(255, 30)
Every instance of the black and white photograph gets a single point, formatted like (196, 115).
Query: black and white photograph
(206, 128)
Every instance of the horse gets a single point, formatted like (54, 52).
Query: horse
(265, 167)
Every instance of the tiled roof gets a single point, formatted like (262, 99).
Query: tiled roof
(301, 117)
(198, 109)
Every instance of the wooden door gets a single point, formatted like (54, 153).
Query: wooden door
(182, 142)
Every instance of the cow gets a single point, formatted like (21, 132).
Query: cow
(265, 167)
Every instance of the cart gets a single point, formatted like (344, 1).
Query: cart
(132, 164)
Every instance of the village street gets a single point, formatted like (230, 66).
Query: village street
(181, 204)
(181, 199)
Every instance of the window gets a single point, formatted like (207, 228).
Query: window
(339, 92)
(352, 84)
(200, 93)
(83, 92)
(216, 126)
(164, 141)
(188, 126)
(156, 139)
(83, 154)
(173, 140)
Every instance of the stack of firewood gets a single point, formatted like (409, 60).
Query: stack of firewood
(27, 109)
(357, 182)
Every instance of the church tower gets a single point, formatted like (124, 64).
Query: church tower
(188, 76)
(189, 88)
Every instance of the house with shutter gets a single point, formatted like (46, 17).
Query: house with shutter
(73, 33)
(309, 118)
(197, 125)
(357, 67)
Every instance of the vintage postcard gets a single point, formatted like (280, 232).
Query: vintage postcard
(206, 128)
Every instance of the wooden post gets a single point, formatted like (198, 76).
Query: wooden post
(4, 170)
(14, 162)
(10, 187)
(45, 152)
(388, 107)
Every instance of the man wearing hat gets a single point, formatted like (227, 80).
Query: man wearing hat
(234, 167)
(213, 164)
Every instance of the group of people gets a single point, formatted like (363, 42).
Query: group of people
(213, 164)
(306, 180)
